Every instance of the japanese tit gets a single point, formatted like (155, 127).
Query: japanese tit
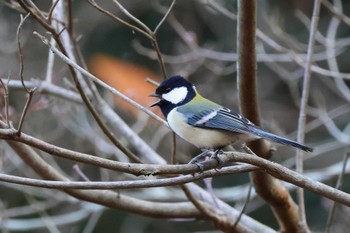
(204, 123)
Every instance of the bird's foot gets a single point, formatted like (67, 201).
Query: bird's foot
(199, 157)
(215, 156)
(200, 166)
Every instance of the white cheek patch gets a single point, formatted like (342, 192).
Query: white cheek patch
(176, 95)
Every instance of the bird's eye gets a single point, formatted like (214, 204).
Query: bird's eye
(167, 90)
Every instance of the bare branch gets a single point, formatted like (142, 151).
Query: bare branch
(46, 88)
(98, 81)
(145, 33)
(338, 186)
(136, 20)
(134, 184)
(303, 106)
(164, 17)
(29, 91)
(337, 12)
(6, 100)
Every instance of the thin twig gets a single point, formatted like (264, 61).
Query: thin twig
(164, 17)
(50, 61)
(303, 107)
(21, 66)
(338, 186)
(159, 55)
(94, 4)
(247, 199)
(25, 110)
(155, 43)
(136, 20)
(29, 91)
(77, 169)
(220, 220)
(151, 81)
(52, 8)
(70, 18)
(6, 100)
(46, 88)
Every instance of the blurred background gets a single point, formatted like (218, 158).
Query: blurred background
(198, 41)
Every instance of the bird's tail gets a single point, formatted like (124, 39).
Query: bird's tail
(279, 139)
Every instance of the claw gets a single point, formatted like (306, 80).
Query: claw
(200, 166)
(198, 157)
(215, 156)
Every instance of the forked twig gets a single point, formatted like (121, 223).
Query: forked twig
(29, 91)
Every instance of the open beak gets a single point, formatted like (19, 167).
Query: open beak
(158, 101)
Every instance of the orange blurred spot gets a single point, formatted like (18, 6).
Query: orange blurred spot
(128, 78)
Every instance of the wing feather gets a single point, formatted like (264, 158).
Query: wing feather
(221, 118)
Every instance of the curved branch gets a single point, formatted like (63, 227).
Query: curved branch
(120, 185)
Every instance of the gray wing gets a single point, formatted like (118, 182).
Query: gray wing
(224, 119)
(221, 118)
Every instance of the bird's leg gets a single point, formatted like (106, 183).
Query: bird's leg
(198, 157)
(215, 156)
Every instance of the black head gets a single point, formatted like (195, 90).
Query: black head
(173, 92)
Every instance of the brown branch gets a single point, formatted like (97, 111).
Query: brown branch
(52, 8)
(148, 169)
(106, 198)
(135, 169)
(21, 68)
(121, 185)
(221, 221)
(108, 13)
(120, 201)
(25, 110)
(270, 189)
(20, 53)
(156, 46)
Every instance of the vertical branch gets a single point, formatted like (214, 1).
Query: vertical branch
(155, 43)
(21, 67)
(159, 55)
(70, 17)
(246, 64)
(303, 105)
(20, 53)
(6, 101)
(338, 186)
(269, 188)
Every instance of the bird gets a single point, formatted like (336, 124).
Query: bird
(206, 124)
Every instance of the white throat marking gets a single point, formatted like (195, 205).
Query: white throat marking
(176, 95)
